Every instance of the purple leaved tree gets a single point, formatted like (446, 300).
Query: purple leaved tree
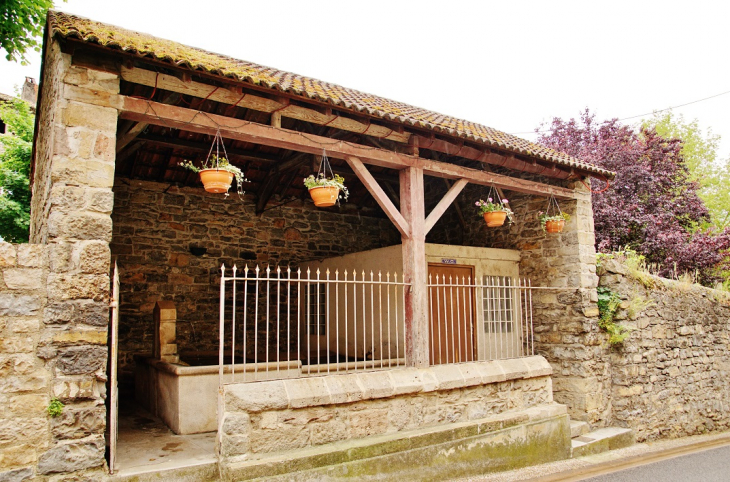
(651, 206)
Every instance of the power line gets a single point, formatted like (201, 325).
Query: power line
(641, 115)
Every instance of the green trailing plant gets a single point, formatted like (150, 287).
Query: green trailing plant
(221, 163)
(608, 305)
(321, 180)
(55, 408)
(545, 217)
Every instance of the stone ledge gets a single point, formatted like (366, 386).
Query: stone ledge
(539, 434)
(346, 388)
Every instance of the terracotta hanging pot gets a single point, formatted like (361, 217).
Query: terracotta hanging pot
(324, 196)
(216, 180)
(555, 226)
(495, 219)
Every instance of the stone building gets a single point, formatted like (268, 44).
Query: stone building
(117, 113)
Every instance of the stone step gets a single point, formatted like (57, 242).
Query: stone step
(602, 440)
(578, 428)
(205, 472)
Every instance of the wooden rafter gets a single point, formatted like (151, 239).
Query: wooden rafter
(380, 197)
(281, 107)
(196, 121)
(444, 204)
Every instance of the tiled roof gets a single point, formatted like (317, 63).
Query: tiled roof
(144, 45)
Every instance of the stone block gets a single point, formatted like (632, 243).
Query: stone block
(307, 392)
(236, 423)
(24, 405)
(78, 388)
(29, 430)
(471, 374)
(95, 257)
(375, 385)
(72, 456)
(67, 286)
(19, 305)
(80, 172)
(23, 278)
(256, 397)
(96, 118)
(344, 388)
(405, 380)
(448, 376)
(491, 372)
(328, 432)
(80, 225)
(16, 475)
(100, 200)
(75, 424)
(16, 344)
(279, 440)
(368, 422)
(514, 368)
(32, 255)
(8, 255)
(61, 257)
(24, 325)
(17, 455)
(537, 366)
(80, 360)
(91, 337)
(104, 147)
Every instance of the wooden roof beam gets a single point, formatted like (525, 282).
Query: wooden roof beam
(203, 122)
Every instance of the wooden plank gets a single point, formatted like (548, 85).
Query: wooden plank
(444, 204)
(380, 197)
(251, 101)
(113, 389)
(462, 221)
(414, 268)
(131, 135)
(192, 120)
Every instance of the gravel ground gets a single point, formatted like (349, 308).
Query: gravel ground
(585, 467)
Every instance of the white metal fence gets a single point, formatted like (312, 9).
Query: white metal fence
(281, 323)
(277, 323)
(473, 319)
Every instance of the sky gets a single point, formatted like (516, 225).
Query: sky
(510, 65)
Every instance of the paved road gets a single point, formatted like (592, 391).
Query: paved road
(707, 466)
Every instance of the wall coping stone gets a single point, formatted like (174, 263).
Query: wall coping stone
(351, 387)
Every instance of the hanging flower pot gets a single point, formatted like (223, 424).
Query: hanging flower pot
(216, 180)
(554, 226)
(553, 219)
(216, 173)
(495, 213)
(324, 196)
(495, 219)
(326, 190)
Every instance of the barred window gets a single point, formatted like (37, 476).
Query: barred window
(497, 304)
(317, 309)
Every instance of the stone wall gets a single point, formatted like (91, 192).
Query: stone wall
(268, 417)
(671, 377)
(156, 224)
(53, 333)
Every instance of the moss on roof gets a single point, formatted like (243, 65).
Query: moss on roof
(144, 45)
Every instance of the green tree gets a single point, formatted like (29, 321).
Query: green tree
(15, 171)
(700, 152)
(21, 23)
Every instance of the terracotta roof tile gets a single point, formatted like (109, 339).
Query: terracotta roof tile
(144, 45)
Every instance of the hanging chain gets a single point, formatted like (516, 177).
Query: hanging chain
(218, 145)
(324, 165)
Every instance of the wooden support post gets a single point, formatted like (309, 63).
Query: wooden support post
(414, 267)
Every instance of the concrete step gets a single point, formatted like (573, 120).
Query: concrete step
(578, 428)
(602, 440)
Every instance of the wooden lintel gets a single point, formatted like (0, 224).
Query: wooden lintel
(195, 121)
(380, 197)
(255, 102)
(444, 204)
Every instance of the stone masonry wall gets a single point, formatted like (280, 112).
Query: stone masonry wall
(671, 377)
(155, 225)
(53, 333)
(564, 316)
(268, 417)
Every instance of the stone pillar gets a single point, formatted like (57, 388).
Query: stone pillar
(165, 316)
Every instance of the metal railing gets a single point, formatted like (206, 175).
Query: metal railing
(280, 323)
(487, 319)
